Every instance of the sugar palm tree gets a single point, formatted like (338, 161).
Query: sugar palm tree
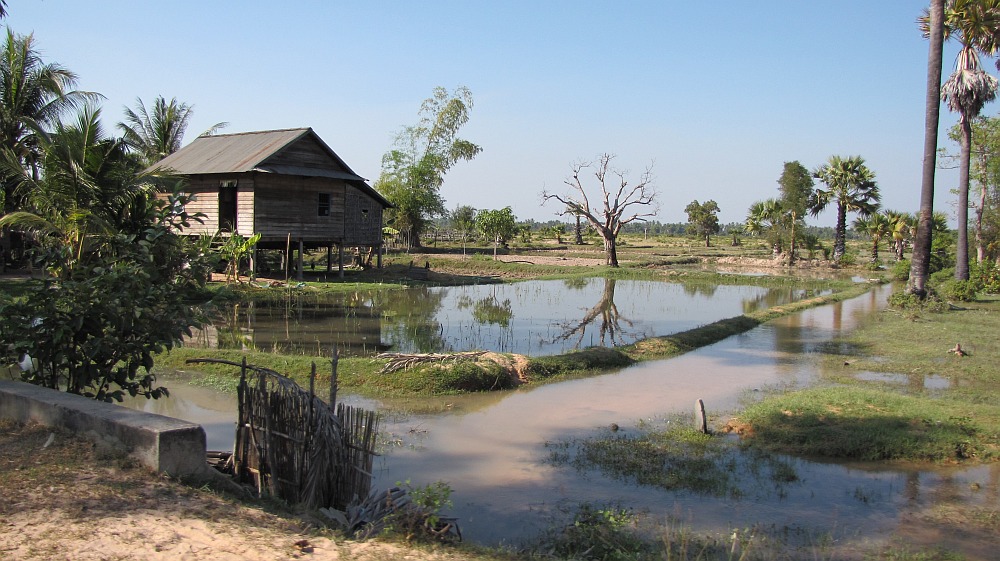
(775, 219)
(158, 132)
(933, 26)
(901, 227)
(851, 188)
(876, 227)
(967, 90)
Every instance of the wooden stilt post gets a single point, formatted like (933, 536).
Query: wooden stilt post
(329, 257)
(340, 259)
(299, 260)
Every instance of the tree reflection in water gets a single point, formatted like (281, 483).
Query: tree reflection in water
(606, 315)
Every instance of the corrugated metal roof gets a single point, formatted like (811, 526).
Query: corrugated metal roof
(247, 151)
(228, 153)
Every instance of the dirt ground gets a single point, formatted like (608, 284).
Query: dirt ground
(62, 498)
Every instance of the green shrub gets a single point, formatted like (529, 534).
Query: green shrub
(959, 290)
(986, 276)
(905, 301)
(605, 533)
(900, 270)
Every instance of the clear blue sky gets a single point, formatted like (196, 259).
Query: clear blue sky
(716, 95)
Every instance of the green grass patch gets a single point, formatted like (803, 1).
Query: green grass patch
(678, 458)
(857, 423)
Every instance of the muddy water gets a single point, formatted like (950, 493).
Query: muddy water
(492, 448)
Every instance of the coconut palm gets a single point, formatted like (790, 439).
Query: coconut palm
(967, 90)
(33, 95)
(157, 133)
(875, 227)
(88, 187)
(851, 187)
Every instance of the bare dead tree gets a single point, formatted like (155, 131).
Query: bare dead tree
(622, 203)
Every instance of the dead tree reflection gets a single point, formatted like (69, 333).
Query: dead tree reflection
(608, 319)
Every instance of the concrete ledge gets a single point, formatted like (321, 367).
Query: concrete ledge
(168, 445)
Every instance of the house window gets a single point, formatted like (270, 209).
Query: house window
(364, 215)
(227, 206)
(324, 204)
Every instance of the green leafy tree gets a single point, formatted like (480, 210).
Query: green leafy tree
(851, 187)
(497, 225)
(703, 219)
(158, 132)
(463, 219)
(413, 171)
(796, 186)
(933, 27)
(621, 202)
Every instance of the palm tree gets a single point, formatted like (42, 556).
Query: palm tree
(966, 91)
(33, 95)
(158, 133)
(851, 186)
(920, 264)
(875, 226)
(775, 219)
(88, 187)
(901, 229)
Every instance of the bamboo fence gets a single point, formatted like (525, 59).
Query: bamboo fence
(291, 445)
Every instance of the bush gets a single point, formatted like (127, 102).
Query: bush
(900, 270)
(905, 301)
(986, 276)
(959, 290)
(606, 533)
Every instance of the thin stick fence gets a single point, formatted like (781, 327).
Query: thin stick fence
(292, 445)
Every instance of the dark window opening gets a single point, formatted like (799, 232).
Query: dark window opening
(227, 206)
(324, 204)
(364, 215)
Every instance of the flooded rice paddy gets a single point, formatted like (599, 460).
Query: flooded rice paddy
(533, 317)
(499, 451)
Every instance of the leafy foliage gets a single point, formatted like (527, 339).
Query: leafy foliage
(703, 219)
(94, 327)
(496, 225)
(413, 171)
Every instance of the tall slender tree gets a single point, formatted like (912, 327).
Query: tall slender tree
(920, 262)
(851, 188)
(413, 171)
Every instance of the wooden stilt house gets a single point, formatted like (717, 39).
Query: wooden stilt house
(286, 185)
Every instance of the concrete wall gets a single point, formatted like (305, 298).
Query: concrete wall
(165, 444)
